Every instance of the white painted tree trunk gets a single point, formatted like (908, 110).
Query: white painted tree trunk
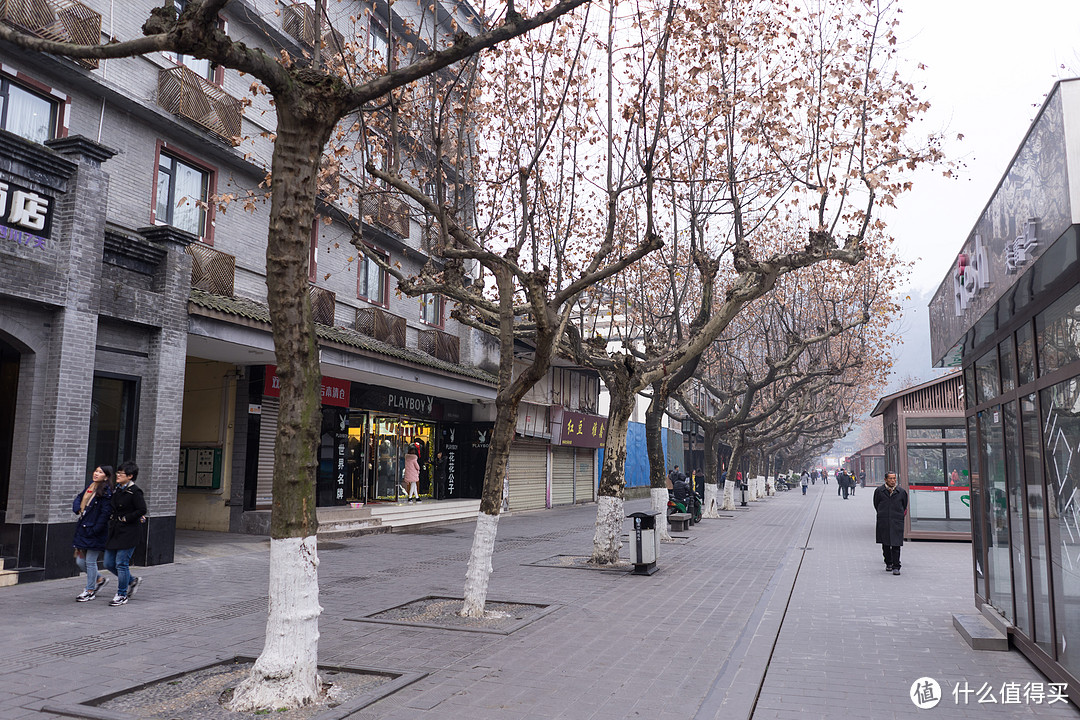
(712, 504)
(479, 570)
(729, 495)
(286, 673)
(659, 498)
(770, 486)
(609, 520)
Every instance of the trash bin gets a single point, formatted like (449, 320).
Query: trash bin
(645, 542)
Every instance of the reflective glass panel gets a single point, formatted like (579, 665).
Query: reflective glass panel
(978, 524)
(1036, 508)
(986, 377)
(1022, 618)
(1008, 364)
(1057, 331)
(1025, 354)
(995, 505)
(1061, 439)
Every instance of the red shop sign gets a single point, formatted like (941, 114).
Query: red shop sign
(334, 391)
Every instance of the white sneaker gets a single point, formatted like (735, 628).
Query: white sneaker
(85, 596)
(118, 599)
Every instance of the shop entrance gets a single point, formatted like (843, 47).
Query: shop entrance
(389, 437)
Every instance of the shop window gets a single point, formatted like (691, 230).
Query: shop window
(978, 512)
(1061, 423)
(918, 432)
(183, 192)
(1025, 355)
(969, 386)
(26, 113)
(371, 279)
(1022, 616)
(1036, 509)
(113, 421)
(995, 508)
(1008, 364)
(1057, 332)
(431, 309)
(986, 377)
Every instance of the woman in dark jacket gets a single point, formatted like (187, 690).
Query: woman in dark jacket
(93, 506)
(891, 503)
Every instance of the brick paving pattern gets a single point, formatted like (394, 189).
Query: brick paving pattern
(740, 622)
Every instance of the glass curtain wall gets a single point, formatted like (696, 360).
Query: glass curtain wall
(995, 509)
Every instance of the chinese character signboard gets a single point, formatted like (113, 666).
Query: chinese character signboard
(581, 430)
(334, 392)
(25, 215)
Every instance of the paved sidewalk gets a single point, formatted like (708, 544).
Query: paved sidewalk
(741, 621)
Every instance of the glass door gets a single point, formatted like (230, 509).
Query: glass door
(421, 435)
(385, 475)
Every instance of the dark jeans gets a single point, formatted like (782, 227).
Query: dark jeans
(891, 553)
(845, 492)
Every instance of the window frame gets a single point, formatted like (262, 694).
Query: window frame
(424, 303)
(163, 148)
(361, 274)
(59, 102)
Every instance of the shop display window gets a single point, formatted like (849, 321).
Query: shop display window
(1036, 509)
(1008, 364)
(995, 509)
(1057, 331)
(1025, 354)
(1022, 616)
(113, 421)
(978, 524)
(1061, 437)
(987, 384)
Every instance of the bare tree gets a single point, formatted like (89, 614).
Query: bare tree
(310, 100)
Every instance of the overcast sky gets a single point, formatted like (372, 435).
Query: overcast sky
(989, 66)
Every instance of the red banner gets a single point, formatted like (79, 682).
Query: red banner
(939, 488)
(334, 391)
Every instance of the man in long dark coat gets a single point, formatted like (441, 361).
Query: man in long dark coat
(891, 503)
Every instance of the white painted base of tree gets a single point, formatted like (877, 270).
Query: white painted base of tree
(286, 673)
(712, 492)
(729, 495)
(659, 497)
(609, 520)
(479, 570)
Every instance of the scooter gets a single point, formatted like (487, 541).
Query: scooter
(682, 499)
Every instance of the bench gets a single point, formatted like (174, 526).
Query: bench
(679, 522)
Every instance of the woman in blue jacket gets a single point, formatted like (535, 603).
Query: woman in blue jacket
(93, 506)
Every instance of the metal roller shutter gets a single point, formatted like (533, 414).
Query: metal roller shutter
(585, 476)
(264, 488)
(527, 472)
(562, 476)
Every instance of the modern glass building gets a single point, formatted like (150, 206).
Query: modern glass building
(1008, 313)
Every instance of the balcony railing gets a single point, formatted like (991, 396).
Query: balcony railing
(442, 345)
(183, 92)
(381, 325)
(211, 270)
(323, 302)
(386, 211)
(298, 19)
(65, 21)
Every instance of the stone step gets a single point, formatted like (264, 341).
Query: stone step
(979, 633)
(8, 577)
(425, 513)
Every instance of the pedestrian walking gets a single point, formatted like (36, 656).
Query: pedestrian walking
(128, 515)
(411, 474)
(891, 504)
(805, 478)
(840, 483)
(93, 506)
(851, 483)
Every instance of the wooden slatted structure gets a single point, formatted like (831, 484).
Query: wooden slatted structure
(439, 344)
(323, 302)
(298, 19)
(938, 398)
(60, 20)
(211, 270)
(386, 211)
(381, 325)
(183, 92)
